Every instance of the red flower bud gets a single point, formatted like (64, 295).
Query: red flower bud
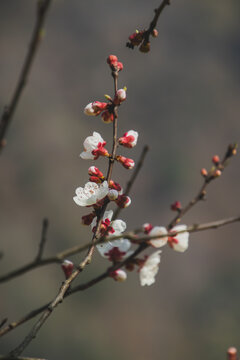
(126, 162)
(204, 172)
(87, 219)
(176, 206)
(216, 159)
(67, 267)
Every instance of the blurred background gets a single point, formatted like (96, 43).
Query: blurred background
(183, 99)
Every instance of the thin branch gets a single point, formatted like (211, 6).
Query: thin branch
(207, 180)
(153, 23)
(42, 8)
(43, 239)
(142, 241)
(18, 358)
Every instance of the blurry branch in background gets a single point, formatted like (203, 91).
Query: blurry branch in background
(18, 358)
(43, 240)
(142, 241)
(142, 38)
(42, 8)
(232, 354)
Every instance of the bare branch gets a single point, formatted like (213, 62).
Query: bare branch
(42, 8)
(43, 239)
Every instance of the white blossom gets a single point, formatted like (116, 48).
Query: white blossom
(149, 269)
(182, 239)
(90, 144)
(91, 193)
(158, 230)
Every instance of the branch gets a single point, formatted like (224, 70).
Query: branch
(18, 358)
(42, 8)
(209, 177)
(43, 239)
(133, 178)
(142, 241)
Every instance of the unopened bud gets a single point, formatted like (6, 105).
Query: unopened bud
(123, 201)
(67, 267)
(87, 219)
(204, 172)
(94, 171)
(126, 162)
(107, 117)
(217, 173)
(112, 194)
(147, 227)
(216, 159)
(176, 206)
(119, 275)
(232, 353)
(154, 33)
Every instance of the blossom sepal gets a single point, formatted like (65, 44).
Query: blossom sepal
(126, 162)
(123, 201)
(94, 147)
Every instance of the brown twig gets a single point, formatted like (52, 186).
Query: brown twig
(43, 239)
(42, 8)
(133, 177)
(212, 175)
(153, 23)
(142, 241)
(18, 358)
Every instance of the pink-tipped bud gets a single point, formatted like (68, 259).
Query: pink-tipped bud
(119, 66)
(176, 206)
(126, 162)
(100, 151)
(136, 38)
(95, 108)
(154, 33)
(204, 172)
(129, 139)
(123, 201)
(112, 195)
(112, 59)
(147, 227)
(94, 171)
(118, 275)
(67, 267)
(87, 219)
(107, 117)
(232, 353)
(217, 173)
(115, 186)
(120, 96)
(95, 179)
(216, 159)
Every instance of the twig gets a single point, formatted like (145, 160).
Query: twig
(202, 192)
(153, 23)
(43, 239)
(3, 322)
(133, 177)
(18, 358)
(42, 8)
(142, 246)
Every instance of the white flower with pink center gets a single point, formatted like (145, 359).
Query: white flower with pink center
(180, 241)
(115, 250)
(149, 269)
(129, 139)
(155, 231)
(93, 147)
(91, 193)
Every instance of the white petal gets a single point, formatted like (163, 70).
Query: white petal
(150, 269)
(86, 155)
(182, 238)
(158, 230)
(119, 226)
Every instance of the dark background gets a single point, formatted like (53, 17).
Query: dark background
(183, 98)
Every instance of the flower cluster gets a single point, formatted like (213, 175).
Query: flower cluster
(101, 190)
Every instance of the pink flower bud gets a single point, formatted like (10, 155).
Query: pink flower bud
(120, 96)
(126, 162)
(94, 171)
(67, 267)
(216, 159)
(107, 117)
(87, 219)
(119, 66)
(115, 186)
(147, 227)
(112, 194)
(129, 139)
(100, 151)
(112, 59)
(123, 201)
(95, 179)
(232, 353)
(95, 108)
(154, 33)
(136, 38)
(217, 173)
(118, 275)
(176, 206)
(204, 172)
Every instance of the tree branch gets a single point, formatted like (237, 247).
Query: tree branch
(42, 8)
